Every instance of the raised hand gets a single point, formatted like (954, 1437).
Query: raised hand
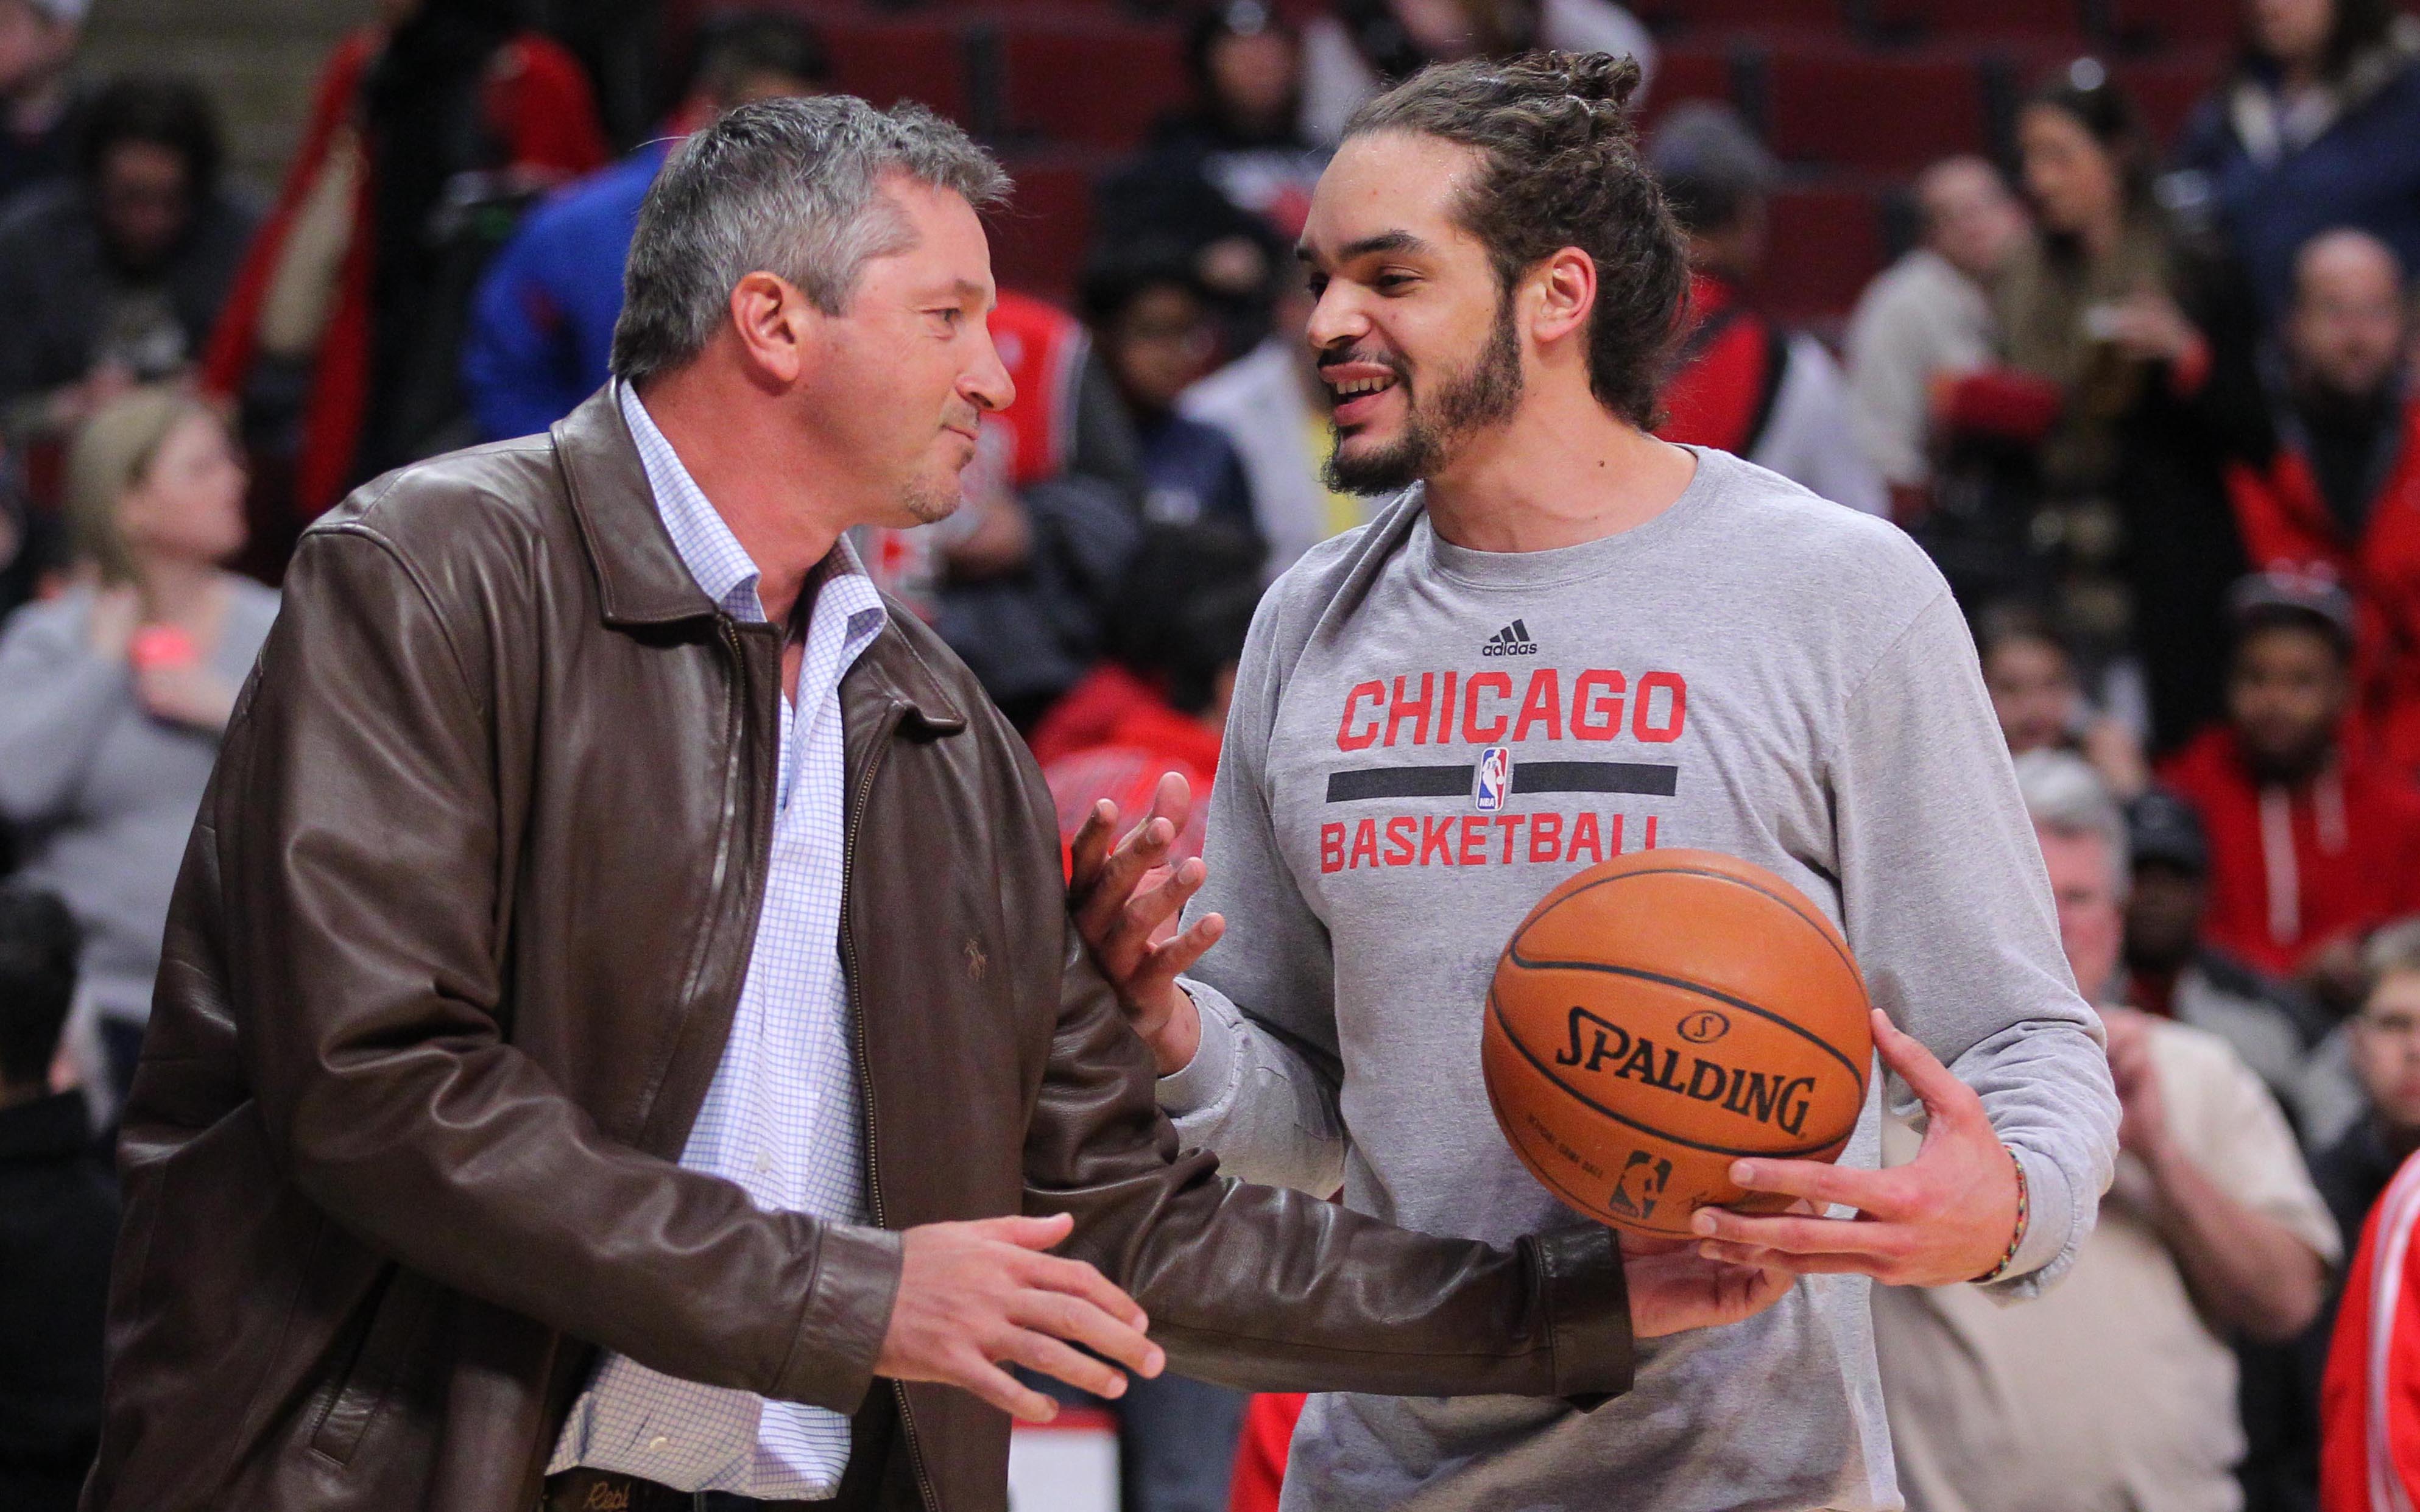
(1121, 897)
(975, 1296)
(1946, 1217)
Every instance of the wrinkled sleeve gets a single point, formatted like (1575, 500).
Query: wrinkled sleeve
(1949, 910)
(356, 829)
(1263, 1090)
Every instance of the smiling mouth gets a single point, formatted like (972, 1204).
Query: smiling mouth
(1354, 387)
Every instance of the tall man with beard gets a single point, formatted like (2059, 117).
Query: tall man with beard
(1670, 647)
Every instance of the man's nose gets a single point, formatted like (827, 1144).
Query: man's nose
(1335, 317)
(988, 384)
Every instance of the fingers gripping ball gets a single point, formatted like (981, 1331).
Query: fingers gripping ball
(1659, 1017)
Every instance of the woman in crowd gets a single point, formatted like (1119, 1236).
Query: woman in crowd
(345, 318)
(2314, 129)
(2149, 343)
(114, 695)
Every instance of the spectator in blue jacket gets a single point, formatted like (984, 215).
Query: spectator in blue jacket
(542, 322)
(2312, 131)
(1152, 324)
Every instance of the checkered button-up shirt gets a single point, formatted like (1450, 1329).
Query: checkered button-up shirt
(782, 1117)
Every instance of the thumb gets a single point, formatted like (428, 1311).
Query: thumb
(1033, 1233)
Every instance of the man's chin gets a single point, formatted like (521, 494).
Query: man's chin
(1360, 465)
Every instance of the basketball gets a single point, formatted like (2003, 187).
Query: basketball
(1661, 1016)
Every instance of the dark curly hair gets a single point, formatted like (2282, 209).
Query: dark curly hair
(1560, 167)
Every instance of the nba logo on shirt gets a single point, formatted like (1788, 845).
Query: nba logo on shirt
(1494, 778)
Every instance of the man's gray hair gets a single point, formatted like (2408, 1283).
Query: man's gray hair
(2066, 796)
(787, 187)
(2392, 951)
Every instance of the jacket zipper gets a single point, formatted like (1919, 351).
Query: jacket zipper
(865, 1070)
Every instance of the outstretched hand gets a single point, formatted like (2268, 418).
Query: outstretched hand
(1946, 1217)
(1121, 897)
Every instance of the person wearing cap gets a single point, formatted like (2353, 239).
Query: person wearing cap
(41, 108)
(1742, 382)
(2339, 486)
(2311, 838)
(2173, 972)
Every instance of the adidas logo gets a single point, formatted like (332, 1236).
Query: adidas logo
(1511, 641)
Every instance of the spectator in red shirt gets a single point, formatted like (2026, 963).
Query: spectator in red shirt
(2341, 488)
(2311, 838)
(1159, 703)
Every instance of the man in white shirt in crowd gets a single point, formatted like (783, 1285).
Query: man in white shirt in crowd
(2116, 1392)
(1929, 314)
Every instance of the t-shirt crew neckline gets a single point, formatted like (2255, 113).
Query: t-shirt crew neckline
(1570, 563)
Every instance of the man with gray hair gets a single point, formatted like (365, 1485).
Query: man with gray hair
(2115, 1392)
(620, 1002)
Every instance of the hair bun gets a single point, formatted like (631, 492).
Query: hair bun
(1595, 77)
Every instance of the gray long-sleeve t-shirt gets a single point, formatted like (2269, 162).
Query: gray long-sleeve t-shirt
(1755, 672)
(102, 794)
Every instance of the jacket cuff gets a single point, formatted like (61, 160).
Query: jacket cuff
(1588, 1314)
(847, 1313)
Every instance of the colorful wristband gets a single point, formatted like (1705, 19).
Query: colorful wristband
(2024, 1212)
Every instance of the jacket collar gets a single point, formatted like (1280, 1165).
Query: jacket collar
(640, 578)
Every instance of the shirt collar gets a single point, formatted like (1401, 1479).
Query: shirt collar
(712, 554)
(723, 567)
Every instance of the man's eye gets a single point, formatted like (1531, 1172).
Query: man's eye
(1389, 283)
(1316, 283)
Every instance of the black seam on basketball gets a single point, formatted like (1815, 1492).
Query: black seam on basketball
(1795, 1152)
(1821, 925)
(1716, 993)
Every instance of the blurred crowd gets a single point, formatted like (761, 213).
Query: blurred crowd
(2149, 404)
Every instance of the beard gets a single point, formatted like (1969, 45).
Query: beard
(1484, 395)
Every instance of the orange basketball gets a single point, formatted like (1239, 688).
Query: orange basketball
(1656, 1018)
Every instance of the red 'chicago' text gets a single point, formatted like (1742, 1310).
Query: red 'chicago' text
(1483, 709)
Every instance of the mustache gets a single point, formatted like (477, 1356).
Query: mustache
(1376, 357)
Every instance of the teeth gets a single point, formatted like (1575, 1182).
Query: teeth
(1362, 386)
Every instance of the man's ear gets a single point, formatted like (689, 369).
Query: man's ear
(1562, 294)
(776, 327)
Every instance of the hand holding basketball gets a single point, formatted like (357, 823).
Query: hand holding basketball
(1120, 898)
(1674, 1288)
(1945, 1217)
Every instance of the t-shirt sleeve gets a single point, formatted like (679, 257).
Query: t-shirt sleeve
(1261, 1091)
(2236, 1134)
(1948, 911)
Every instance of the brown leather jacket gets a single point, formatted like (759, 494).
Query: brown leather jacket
(453, 957)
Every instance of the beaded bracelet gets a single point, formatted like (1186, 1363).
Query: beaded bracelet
(2024, 1211)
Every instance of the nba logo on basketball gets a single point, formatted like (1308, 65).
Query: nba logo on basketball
(1495, 779)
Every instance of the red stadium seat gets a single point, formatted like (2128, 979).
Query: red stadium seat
(1039, 241)
(887, 61)
(1827, 244)
(2211, 24)
(1098, 82)
(2059, 19)
(1891, 112)
(2166, 91)
(1686, 72)
(1766, 16)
